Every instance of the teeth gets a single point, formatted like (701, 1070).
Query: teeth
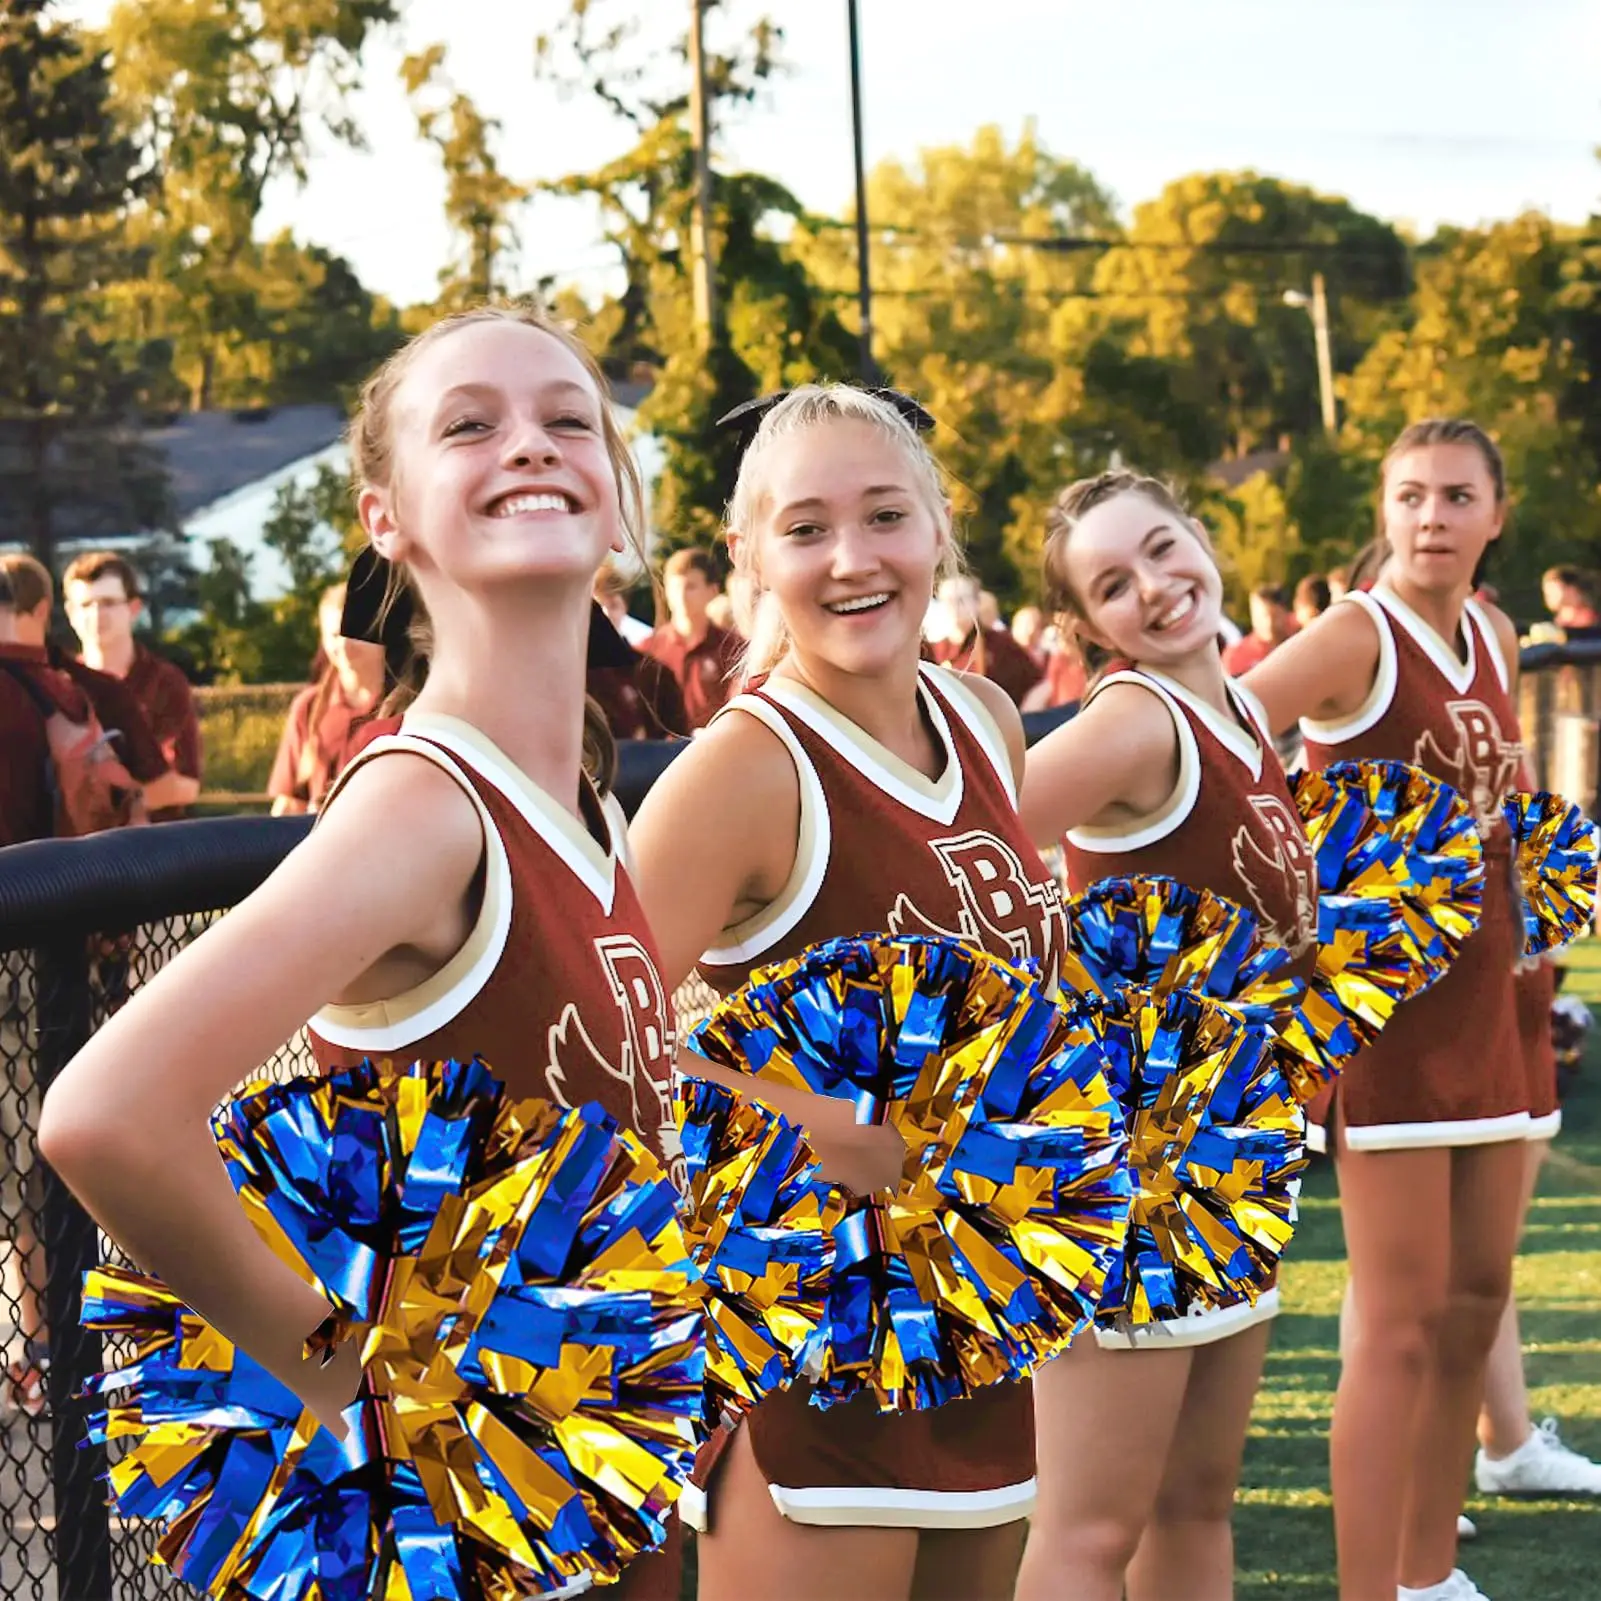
(1176, 613)
(865, 603)
(514, 505)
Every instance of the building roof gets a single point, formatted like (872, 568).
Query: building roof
(212, 454)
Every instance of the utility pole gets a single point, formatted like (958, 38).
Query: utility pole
(1317, 303)
(700, 130)
(864, 277)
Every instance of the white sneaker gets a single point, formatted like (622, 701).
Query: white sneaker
(1542, 1465)
(1466, 1528)
(1459, 1587)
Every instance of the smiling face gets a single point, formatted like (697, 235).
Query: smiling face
(502, 472)
(101, 612)
(1441, 512)
(1148, 588)
(846, 542)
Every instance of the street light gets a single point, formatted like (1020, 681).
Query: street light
(1317, 303)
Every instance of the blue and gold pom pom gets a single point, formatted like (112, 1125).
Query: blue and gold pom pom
(1216, 1147)
(759, 1224)
(1555, 845)
(531, 1337)
(993, 1249)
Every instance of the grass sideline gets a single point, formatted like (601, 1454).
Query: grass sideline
(1526, 1550)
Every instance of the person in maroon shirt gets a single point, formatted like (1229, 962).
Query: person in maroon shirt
(699, 654)
(639, 696)
(1271, 625)
(114, 703)
(100, 591)
(323, 729)
(969, 647)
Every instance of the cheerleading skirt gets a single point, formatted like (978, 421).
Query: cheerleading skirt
(1536, 988)
(1202, 1326)
(1448, 1069)
(965, 1465)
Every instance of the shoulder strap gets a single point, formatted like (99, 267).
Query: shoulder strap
(30, 687)
(948, 686)
(1491, 639)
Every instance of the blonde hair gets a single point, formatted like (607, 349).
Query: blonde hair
(370, 439)
(799, 410)
(1068, 510)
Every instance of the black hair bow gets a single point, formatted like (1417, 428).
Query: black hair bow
(364, 617)
(746, 419)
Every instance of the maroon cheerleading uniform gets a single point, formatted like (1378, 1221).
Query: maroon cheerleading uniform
(556, 987)
(1230, 826)
(1449, 1067)
(1534, 987)
(884, 848)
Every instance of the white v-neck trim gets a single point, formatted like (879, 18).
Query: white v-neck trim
(595, 868)
(1457, 673)
(937, 799)
(1225, 730)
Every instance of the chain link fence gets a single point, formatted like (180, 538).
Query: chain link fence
(83, 925)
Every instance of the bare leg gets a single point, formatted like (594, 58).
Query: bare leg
(1486, 1209)
(968, 1564)
(756, 1554)
(1504, 1420)
(21, 1280)
(1187, 1551)
(1396, 1209)
(1094, 1501)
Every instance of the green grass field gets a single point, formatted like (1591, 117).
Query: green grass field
(1526, 1551)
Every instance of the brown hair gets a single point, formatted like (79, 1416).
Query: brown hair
(1313, 591)
(370, 439)
(31, 584)
(1571, 578)
(1069, 508)
(692, 559)
(94, 565)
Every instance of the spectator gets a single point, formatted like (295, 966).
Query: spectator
(113, 703)
(1028, 629)
(989, 610)
(640, 698)
(323, 730)
(1313, 597)
(720, 610)
(1271, 625)
(611, 590)
(960, 640)
(102, 602)
(1065, 680)
(1339, 583)
(1570, 598)
(699, 654)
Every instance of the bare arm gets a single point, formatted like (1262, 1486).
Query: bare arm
(1120, 752)
(127, 1123)
(1324, 673)
(1007, 718)
(714, 843)
(171, 789)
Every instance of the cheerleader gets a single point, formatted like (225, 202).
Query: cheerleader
(1168, 769)
(1430, 1123)
(463, 891)
(851, 788)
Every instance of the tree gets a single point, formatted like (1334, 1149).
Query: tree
(68, 175)
(227, 94)
(775, 329)
(1200, 283)
(1498, 329)
(479, 197)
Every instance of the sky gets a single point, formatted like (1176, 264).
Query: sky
(1421, 111)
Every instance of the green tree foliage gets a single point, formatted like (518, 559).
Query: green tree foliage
(1499, 326)
(68, 175)
(774, 330)
(1201, 282)
(228, 94)
(479, 198)
(239, 639)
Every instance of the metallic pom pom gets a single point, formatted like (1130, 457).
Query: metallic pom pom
(759, 1226)
(530, 1334)
(993, 1249)
(1401, 878)
(1556, 869)
(1216, 1147)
